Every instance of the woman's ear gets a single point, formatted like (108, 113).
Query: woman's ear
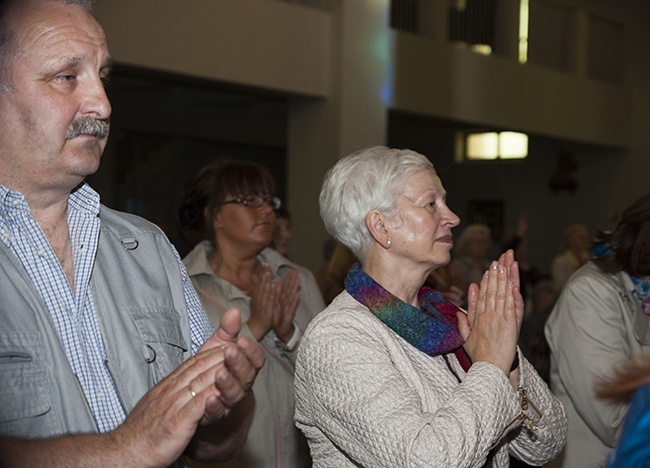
(212, 216)
(378, 228)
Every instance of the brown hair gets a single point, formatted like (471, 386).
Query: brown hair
(627, 248)
(205, 192)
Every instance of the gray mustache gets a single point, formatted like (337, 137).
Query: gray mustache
(88, 126)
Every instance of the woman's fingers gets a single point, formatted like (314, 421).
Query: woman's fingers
(482, 293)
(472, 300)
(509, 309)
(507, 259)
(513, 273)
(463, 325)
(493, 313)
(492, 286)
(519, 305)
(501, 290)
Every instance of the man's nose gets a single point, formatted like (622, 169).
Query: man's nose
(96, 103)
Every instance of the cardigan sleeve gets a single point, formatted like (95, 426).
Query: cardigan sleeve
(546, 413)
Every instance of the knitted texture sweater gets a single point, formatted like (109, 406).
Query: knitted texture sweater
(365, 397)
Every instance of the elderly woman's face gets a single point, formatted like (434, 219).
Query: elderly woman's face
(421, 230)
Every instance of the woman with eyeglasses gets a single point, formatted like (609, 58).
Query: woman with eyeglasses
(232, 205)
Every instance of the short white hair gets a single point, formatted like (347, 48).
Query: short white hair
(366, 180)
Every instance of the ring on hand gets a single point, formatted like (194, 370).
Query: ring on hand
(192, 392)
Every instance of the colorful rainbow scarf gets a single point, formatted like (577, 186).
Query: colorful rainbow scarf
(433, 329)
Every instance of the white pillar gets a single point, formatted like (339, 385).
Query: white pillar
(352, 117)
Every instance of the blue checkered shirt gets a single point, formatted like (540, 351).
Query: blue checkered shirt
(73, 312)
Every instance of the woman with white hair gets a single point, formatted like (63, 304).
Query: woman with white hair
(391, 374)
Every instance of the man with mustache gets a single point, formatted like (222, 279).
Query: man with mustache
(106, 356)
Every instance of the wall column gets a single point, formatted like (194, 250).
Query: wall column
(353, 116)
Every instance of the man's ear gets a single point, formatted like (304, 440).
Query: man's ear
(378, 228)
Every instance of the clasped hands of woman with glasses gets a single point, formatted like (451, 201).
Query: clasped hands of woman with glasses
(273, 303)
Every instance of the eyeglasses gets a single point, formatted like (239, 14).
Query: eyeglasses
(255, 201)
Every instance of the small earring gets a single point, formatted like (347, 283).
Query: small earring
(388, 242)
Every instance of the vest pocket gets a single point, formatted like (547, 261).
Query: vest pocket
(24, 390)
(163, 345)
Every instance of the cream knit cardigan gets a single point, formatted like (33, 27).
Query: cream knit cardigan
(365, 397)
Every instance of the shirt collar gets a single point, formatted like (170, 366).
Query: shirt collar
(197, 262)
(11, 200)
(83, 198)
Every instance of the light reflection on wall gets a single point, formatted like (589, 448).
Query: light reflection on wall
(384, 52)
